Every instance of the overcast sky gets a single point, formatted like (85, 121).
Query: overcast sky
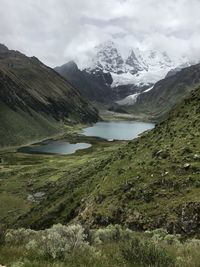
(60, 30)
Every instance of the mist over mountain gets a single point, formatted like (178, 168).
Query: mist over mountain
(113, 78)
(138, 68)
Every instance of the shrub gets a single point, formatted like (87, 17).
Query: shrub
(146, 254)
(18, 264)
(59, 241)
(111, 233)
(189, 253)
(20, 236)
(161, 235)
(172, 239)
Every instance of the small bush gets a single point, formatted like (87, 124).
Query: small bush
(57, 242)
(111, 233)
(18, 264)
(146, 254)
(20, 236)
(161, 235)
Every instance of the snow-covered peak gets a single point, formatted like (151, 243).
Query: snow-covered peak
(107, 58)
(133, 65)
(139, 68)
(151, 58)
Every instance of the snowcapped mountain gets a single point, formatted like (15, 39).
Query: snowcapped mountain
(139, 68)
(107, 58)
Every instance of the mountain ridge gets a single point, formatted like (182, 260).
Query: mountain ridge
(35, 99)
(166, 93)
(139, 67)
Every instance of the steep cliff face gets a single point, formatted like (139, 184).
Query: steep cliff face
(35, 100)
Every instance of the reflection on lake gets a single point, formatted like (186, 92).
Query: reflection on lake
(119, 130)
(54, 147)
(113, 130)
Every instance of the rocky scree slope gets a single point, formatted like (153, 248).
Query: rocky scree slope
(150, 182)
(35, 101)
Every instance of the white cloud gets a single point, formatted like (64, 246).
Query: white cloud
(60, 30)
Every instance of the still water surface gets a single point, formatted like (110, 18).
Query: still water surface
(119, 130)
(54, 147)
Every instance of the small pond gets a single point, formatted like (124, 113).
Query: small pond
(54, 147)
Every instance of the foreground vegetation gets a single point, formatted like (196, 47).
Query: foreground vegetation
(113, 246)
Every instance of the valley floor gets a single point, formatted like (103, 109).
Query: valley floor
(22, 176)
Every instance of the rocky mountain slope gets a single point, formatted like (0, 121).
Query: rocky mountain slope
(109, 77)
(95, 87)
(155, 103)
(35, 100)
(150, 182)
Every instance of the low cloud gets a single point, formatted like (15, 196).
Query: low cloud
(58, 31)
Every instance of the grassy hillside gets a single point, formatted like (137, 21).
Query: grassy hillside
(148, 183)
(18, 127)
(166, 94)
(34, 100)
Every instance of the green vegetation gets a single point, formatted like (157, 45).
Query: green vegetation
(113, 246)
(24, 175)
(18, 127)
(35, 101)
(150, 182)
